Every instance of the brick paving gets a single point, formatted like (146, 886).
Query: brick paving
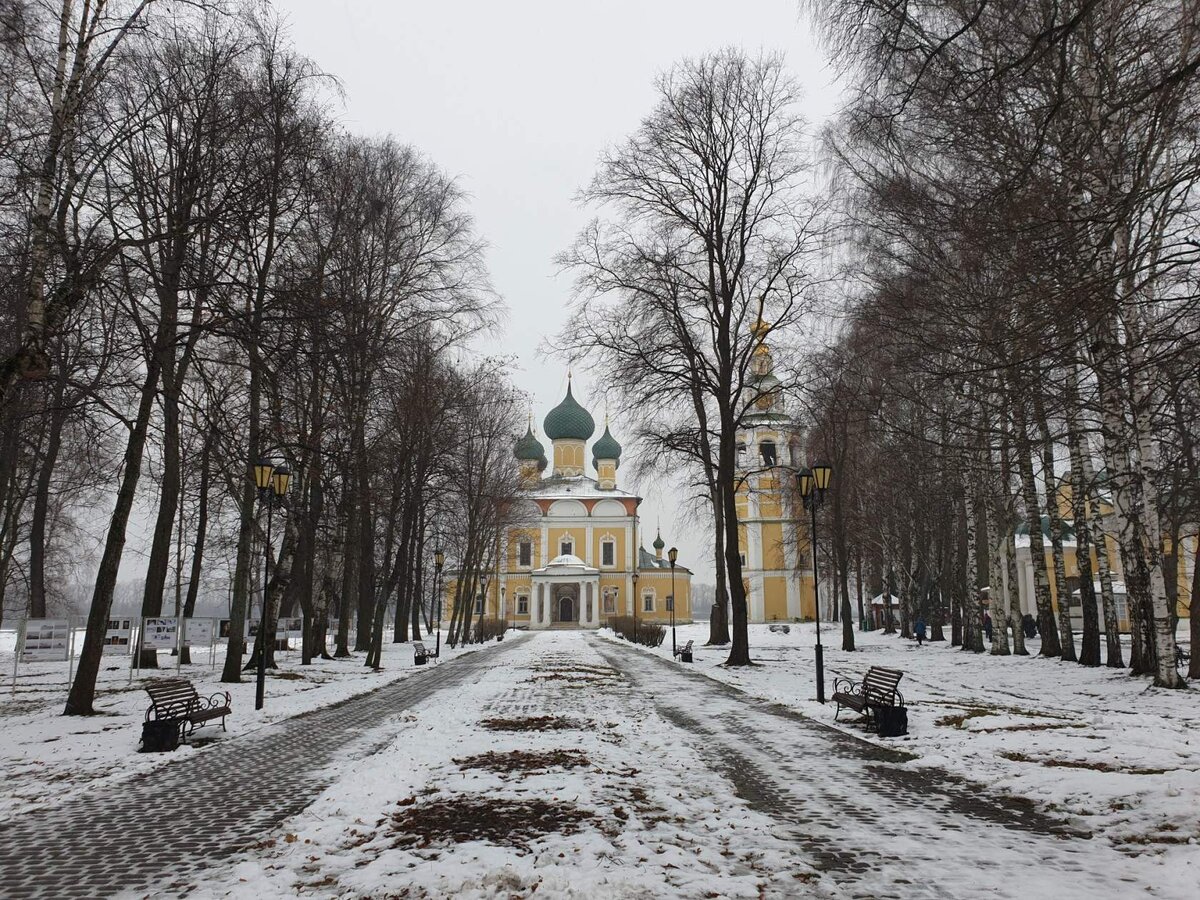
(877, 825)
(159, 829)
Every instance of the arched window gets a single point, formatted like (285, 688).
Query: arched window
(525, 553)
(608, 551)
(522, 605)
(648, 601)
(566, 546)
(610, 600)
(769, 456)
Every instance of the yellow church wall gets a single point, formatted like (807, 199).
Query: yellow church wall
(660, 582)
(772, 549)
(775, 598)
(619, 535)
(518, 585)
(578, 534)
(568, 454)
(512, 555)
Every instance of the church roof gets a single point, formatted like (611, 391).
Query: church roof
(606, 448)
(569, 421)
(573, 487)
(647, 560)
(529, 447)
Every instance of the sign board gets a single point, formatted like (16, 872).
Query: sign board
(160, 634)
(223, 626)
(46, 639)
(118, 637)
(198, 631)
(292, 628)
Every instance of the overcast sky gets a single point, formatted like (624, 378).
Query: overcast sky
(517, 99)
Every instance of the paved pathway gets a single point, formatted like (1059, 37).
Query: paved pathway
(877, 826)
(227, 798)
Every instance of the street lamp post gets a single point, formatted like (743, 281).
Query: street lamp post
(672, 555)
(636, 600)
(813, 483)
(483, 599)
(439, 558)
(272, 482)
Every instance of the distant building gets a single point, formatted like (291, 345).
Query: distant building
(573, 566)
(774, 541)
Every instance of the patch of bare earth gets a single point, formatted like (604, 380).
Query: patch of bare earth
(1097, 766)
(532, 723)
(498, 820)
(524, 761)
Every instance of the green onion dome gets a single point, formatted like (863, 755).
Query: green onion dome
(569, 421)
(530, 448)
(659, 543)
(606, 448)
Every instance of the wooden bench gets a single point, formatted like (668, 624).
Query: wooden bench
(176, 700)
(876, 691)
(420, 654)
(684, 653)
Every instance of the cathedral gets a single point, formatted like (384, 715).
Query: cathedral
(577, 557)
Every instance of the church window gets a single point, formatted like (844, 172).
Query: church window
(479, 605)
(767, 449)
(522, 605)
(525, 553)
(670, 602)
(608, 552)
(566, 547)
(610, 600)
(648, 601)
(742, 557)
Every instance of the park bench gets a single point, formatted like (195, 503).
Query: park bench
(684, 653)
(1182, 657)
(175, 700)
(420, 654)
(780, 629)
(876, 694)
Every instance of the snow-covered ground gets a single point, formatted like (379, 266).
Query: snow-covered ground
(548, 778)
(1114, 753)
(46, 757)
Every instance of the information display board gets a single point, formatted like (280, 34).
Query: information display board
(118, 637)
(46, 639)
(198, 631)
(289, 628)
(160, 634)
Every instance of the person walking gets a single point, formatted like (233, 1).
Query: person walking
(919, 628)
(987, 626)
(1028, 625)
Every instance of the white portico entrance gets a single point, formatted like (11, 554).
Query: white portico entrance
(566, 594)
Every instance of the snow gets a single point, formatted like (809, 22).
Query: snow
(657, 825)
(1108, 751)
(46, 757)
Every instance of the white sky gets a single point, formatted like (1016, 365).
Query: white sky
(517, 99)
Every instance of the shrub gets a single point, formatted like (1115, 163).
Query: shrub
(484, 630)
(648, 634)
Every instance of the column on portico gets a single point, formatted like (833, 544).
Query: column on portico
(539, 613)
(594, 593)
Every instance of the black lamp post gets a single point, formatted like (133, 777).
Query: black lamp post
(672, 555)
(272, 482)
(636, 601)
(813, 483)
(483, 598)
(439, 559)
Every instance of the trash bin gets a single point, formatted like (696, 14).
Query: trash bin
(160, 735)
(685, 655)
(891, 721)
